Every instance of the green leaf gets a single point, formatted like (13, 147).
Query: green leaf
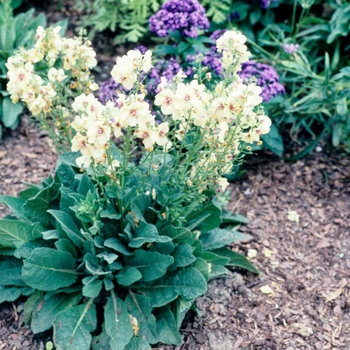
(137, 343)
(218, 238)
(213, 258)
(49, 269)
(182, 255)
(178, 234)
(202, 266)
(139, 307)
(49, 307)
(139, 205)
(118, 325)
(29, 306)
(228, 218)
(66, 175)
(152, 265)
(128, 276)
(14, 233)
(216, 271)
(86, 185)
(188, 283)
(147, 233)
(161, 50)
(11, 272)
(167, 328)
(117, 245)
(255, 16)
(38, 206)
(93, 289)
(236, 259)
(101, 342)
(337, 134)
(273, 141)
(72, 327)
(26, 249)
(10, 111)
(9, 293)
(69, 227)
(16, 205)
(342, 107)
(64, 245)
(210, 222)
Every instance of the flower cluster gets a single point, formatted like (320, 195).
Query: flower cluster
(37, 93)
(219, 120)
(265, 76)
(183, 15)
(290, 48)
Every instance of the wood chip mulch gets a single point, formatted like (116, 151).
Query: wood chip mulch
(306, 264)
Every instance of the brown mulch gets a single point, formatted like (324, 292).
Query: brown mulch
(308, 271)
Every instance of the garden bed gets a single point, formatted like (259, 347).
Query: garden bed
(309, 268)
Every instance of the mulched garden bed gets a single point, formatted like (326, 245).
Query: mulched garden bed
(308, 270)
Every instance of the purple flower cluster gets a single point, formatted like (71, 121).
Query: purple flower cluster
(290, 48)
(266, 76)
(264, 4)
(164, 68)
(183, 15)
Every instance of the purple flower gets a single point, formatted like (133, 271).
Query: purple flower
(264, 4)
(183, 15)
(290, 48)
(266, 77)
(217, 34)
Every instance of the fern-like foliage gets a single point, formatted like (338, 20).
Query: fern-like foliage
(129, 18)
(217, 10)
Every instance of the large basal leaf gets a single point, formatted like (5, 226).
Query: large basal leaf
(66, 176)
(49, 307)
(139, 307)
(182, 255)
(152, 265)
(178, 234)
(117, 245)
(202, 266)
(137, 343)
(101, 342)
(128, 276)
(218, 238)
(10, 293)
(147, 233)
(37, 206)
(211, 221)
(213, 258)
(236, 259)
(188, 283)
(273, 141)
(139, 206)
(14, 233)
(69, 227)
(228, 218)
(72, 328)
(11, 272)
(167, 328)
(93, 289)
(118, 325)
(49, 269)
(16, 205)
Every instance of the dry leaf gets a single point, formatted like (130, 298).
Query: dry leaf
(30, 155)
(337, 293)
(3, 154)
(267, 290)
(267, 253)
(252, 253)
(293, 216)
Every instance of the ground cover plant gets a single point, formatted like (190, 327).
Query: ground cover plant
(116, 245)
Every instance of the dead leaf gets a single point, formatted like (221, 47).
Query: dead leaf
(252, 253)
(3, 154)
(293, 216)
(337, 293)
(30, 155)
(266, 290)
(267, 253)
(324, 243)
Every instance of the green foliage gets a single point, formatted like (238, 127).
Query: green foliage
(15, 32)
(128, 18)
(147, 268)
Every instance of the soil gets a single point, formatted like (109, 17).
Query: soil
(308, 269)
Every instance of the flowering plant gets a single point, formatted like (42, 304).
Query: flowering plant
(129, 221)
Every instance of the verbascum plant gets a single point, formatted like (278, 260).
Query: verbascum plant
(115, 248)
